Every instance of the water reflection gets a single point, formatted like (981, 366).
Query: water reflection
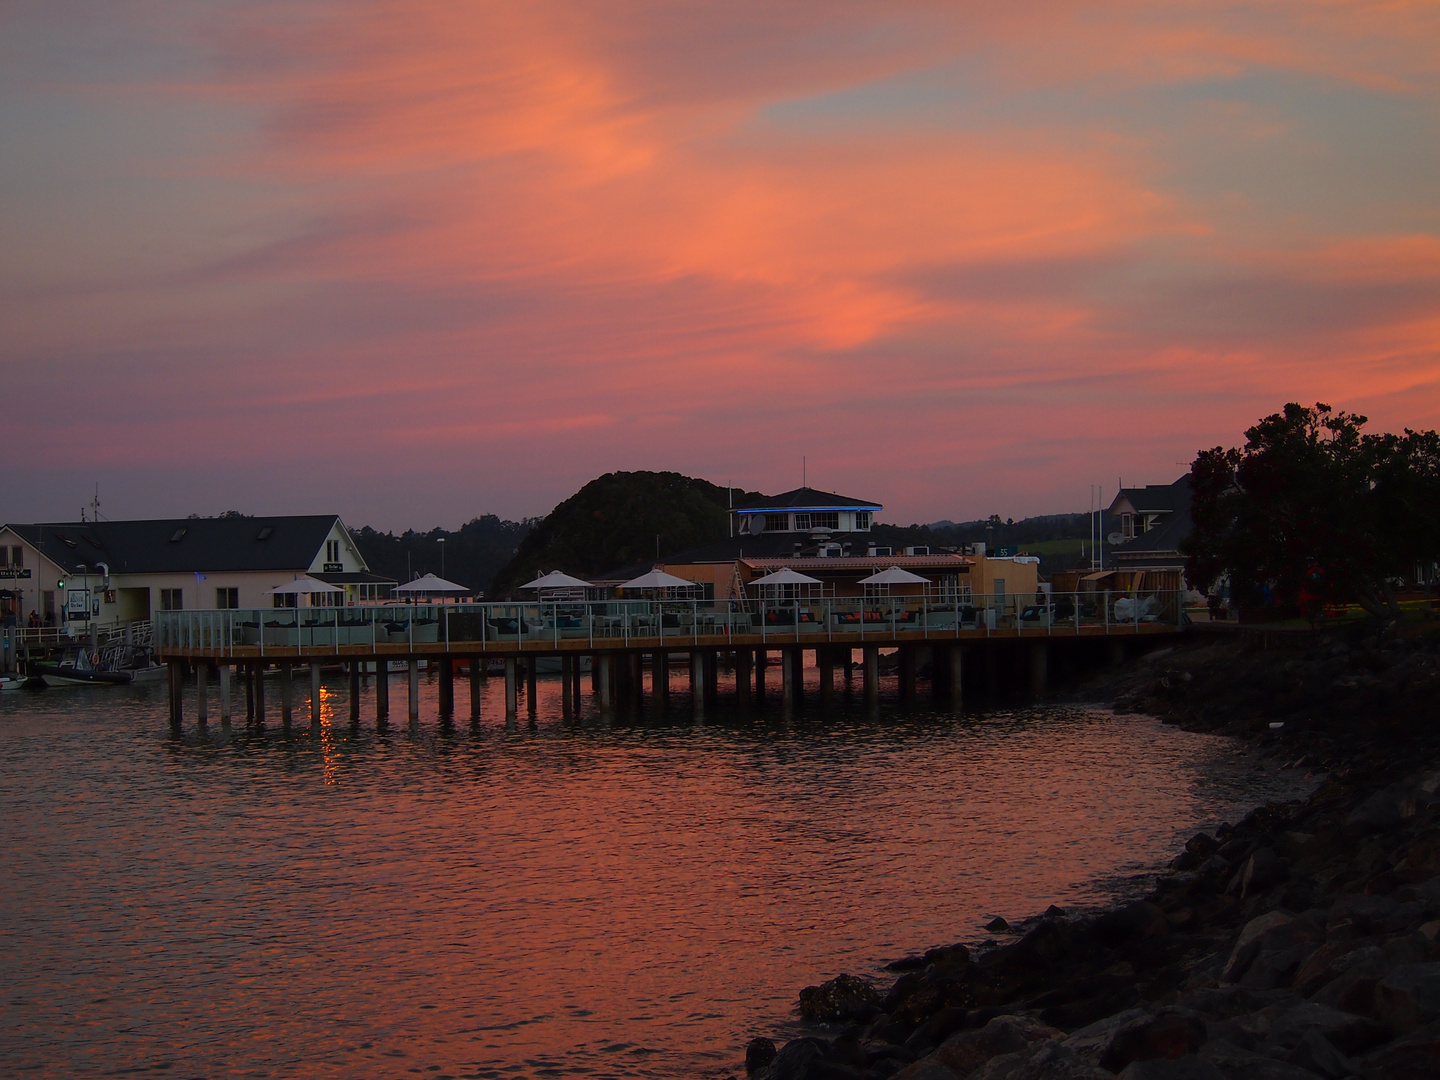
(603, 895)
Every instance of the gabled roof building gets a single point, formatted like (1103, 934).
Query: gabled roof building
(121, 571)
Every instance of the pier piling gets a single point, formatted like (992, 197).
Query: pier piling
(355, 667)
(225, 705)
(512, 700)
(477, 669)
(202, 694)
(871, 673)
(447, 686)
(1039, 668)
(287, 694)
(314, 695)
(257, 680)
(530, 693)
(744, 665)
(382, 692)
(825, 664)
(413, 697)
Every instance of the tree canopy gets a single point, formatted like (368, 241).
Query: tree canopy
(1313, 511)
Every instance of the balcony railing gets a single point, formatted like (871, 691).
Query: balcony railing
(618, 623)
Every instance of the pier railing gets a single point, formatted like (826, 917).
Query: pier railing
(567, 625)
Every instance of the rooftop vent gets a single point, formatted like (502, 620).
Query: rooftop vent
(177, 536)
(264, 534)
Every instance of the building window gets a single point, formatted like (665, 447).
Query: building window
(227, 599)
(830, 520)
(332, 550)
(17, 556)
(777, 522)
(172, 599)
(802, 522)
(1127, 525)
(287, 600)
(862, 520)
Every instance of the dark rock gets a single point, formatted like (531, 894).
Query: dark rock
(1408, 996)
(1250, 941)
(1330, 961)
(944, 1023)
(1236, 1063)
(1262, 870)
(795, 1060)
(1090, 1042)
(1202, 844)
(1189, 1067)
(1384, 810)
(844, 997)
(1274, 968)
(1041, 1061)
(1170, 1034)
(925, 1069)
(758, 1054)
(947, 956)
(1053, 912)
(1318, 1054)
(1140, 919)
(967, 1051)
(997, 925)
(1415, 1057)
(1350, 1033)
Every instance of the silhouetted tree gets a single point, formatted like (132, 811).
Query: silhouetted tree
(1312, 511)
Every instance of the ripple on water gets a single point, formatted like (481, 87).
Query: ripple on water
(600, 899)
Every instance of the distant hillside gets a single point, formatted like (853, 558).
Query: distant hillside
(615, 521)
(472, 554)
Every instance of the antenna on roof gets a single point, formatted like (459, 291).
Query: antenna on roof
(803, 481)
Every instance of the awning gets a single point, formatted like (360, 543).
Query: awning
(303, 585)
(658, 579)
(556, 580)
(785, 577)
(894, 576)
(430, 585)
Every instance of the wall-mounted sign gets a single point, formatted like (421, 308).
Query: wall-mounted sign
(333, 568)
(77, 600)
(10, 573)
(1006, 551)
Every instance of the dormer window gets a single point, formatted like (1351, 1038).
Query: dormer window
(1127, 526)
(777, 522)
(862, 520)
(177, 536)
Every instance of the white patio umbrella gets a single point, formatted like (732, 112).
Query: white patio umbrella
(658, 579)
(304, 585)
(556, 580)
(894, 576)
(785, 577)
(430, 585)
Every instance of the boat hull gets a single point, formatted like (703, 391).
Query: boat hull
(55, 674)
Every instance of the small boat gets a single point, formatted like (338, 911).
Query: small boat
(11, 682)
(80, 666)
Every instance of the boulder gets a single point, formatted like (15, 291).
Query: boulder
(1041, 1061)
(1169, 1034)
(1330, 961)
(1089, 1043)
(1189, 1067)
(1408, 996)
(759, 1052)
(844, 997)
(1236, 1063)
(1414, 1057)
(1262, 870)
(1318, 1054)
(1140, 919)
(928, 1068)
(1274, 968)
(966, 1051)
(1248, 944)
(1350, 1033)
(1384, 810)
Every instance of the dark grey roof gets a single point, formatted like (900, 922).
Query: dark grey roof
(765, 546)
(1162, 543)
(184, 545)
(806, 498)
(1157, 498)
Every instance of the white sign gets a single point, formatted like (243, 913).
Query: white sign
(78, 600)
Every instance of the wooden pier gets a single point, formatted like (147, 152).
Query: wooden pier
(980, 648)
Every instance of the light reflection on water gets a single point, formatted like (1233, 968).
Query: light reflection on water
(621, 898)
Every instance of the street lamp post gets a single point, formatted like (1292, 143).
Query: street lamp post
(441, 542)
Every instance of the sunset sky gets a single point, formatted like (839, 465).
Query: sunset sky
(415, 261)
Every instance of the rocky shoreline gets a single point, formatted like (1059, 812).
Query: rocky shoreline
(1302, 942)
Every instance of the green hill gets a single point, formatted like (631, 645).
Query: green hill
(615, 521)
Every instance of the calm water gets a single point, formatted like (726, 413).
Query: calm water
(635, 898)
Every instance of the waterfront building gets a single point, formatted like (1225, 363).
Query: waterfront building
(1153, 521)
(119, 572)
(827, 537)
